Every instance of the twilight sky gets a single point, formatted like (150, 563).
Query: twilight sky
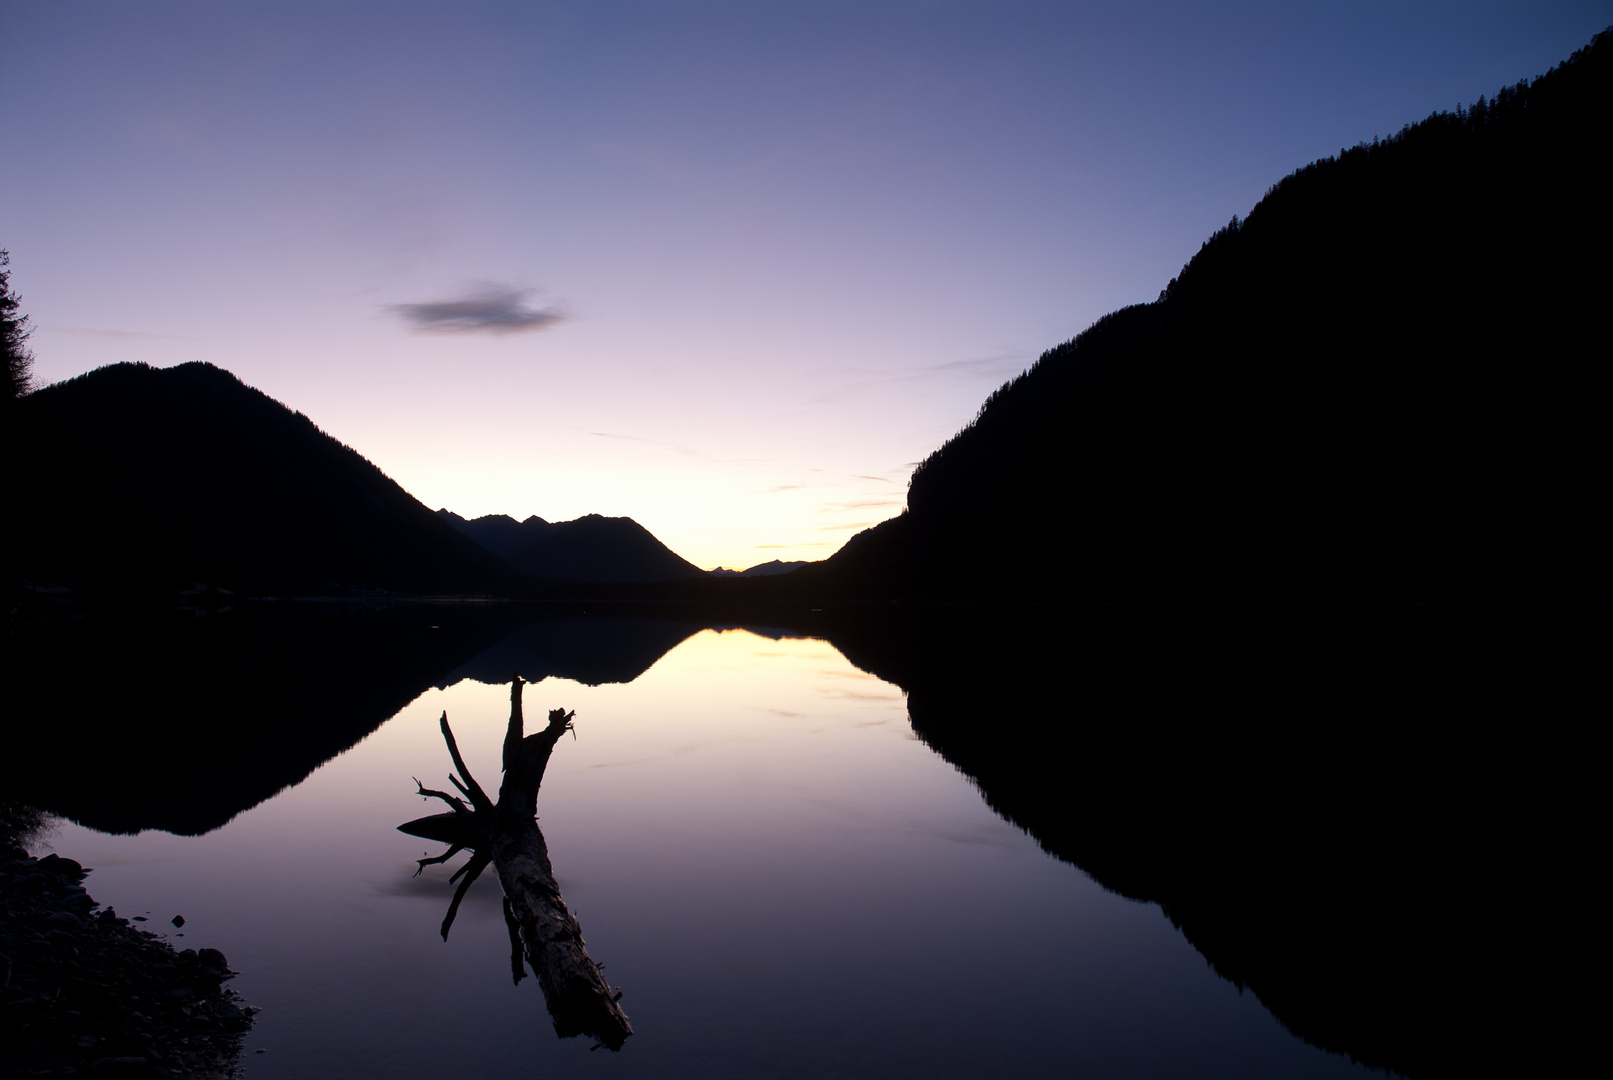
(728, 268)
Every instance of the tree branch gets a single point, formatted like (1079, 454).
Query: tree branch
(473, 790)
(452, 800)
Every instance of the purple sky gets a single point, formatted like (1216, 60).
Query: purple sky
(730, 268)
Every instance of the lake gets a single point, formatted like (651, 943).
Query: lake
(759, 838)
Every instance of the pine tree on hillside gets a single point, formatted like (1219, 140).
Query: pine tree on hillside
(14, 333)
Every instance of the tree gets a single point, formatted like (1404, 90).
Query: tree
(14, 331)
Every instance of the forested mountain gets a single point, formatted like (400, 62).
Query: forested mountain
(142, 480)
(772, 568)
(603, 549)
(500, 533)
(590, 549)
(1388, 382)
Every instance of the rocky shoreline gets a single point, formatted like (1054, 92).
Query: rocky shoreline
(86, 993)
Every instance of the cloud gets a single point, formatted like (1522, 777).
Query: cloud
(118, 335)
(1002, 366)
(686, 451)
(496, 309)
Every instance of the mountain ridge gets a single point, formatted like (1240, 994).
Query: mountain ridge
(589, 549)
(1379, 386)
(143, 480)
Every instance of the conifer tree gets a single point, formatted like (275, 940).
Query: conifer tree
(14, 333)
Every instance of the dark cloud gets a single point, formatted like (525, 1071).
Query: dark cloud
(497, 309)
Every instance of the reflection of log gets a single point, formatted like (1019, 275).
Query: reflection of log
(507, 835)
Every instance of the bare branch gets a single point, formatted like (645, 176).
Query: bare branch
(478, 863)
(452, 800)
(478, 797)
(444, 857)
(512, 736)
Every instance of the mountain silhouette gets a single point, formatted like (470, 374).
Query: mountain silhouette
(594, 549)
(606, 549)
(143, 479)
(500, 533)
(766, 569)
(1387, 383)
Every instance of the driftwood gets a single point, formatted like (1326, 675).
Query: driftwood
(505, 834)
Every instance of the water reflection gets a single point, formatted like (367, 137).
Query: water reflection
(1376, 822)
(238, 707)
(505, 834)
(1372, 819)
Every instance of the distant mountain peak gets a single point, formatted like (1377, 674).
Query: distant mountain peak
(591, 548)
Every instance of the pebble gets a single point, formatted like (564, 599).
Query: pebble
(93, 994)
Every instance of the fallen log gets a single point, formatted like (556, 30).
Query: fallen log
(543, 932)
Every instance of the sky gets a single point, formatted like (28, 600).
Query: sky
(728, 268)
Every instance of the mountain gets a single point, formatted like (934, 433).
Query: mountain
(766, 569)
(1387, 383)
(603, 549)
(500, 533)
(590, 549)
(142, 479)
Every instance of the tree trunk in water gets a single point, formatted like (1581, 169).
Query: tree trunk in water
(507, 833)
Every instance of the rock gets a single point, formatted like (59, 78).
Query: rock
(121, 1066)
(212, 958)
(65, 920)
(55, 864)
(178, 920)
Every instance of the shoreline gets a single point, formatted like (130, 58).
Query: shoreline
(84, 992)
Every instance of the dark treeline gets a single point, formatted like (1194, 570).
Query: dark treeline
(1383, 823)
(1386, 383)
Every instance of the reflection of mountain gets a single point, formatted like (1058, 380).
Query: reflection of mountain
(589, 651)
(1378, 823)
(180, 724)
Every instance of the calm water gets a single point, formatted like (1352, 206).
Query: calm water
(780, 876)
